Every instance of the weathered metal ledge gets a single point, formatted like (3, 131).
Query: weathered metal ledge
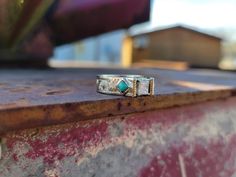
(36, 98)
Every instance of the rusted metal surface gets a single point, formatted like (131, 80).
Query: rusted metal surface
(190, 141)
(38, 98)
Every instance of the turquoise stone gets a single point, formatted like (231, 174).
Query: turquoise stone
(122, 86)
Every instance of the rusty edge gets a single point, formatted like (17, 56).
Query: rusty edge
(46, 115)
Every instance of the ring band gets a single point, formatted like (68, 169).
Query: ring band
(126, 85)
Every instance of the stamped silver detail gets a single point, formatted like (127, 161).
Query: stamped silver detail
(127, 85)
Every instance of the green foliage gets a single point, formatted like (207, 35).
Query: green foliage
(10, 13)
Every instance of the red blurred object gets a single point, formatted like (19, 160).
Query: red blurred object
(73, 19)
(45, 24)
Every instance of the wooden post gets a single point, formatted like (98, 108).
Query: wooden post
(127, 52)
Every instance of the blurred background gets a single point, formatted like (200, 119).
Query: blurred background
(172, 34)
(180, 34)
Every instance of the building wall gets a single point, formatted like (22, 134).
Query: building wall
(179, 44)
(103, 48)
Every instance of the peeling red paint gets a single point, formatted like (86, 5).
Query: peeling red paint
(15, 157)
(169, 117)
(194, 140)
(213, 159)
(63, 143)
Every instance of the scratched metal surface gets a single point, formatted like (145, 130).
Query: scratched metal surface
(31, 98)
(190, 141)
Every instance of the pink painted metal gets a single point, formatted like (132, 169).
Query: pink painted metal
(197, 140)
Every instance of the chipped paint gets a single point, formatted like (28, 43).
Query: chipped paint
(195, 140)
(0, 149)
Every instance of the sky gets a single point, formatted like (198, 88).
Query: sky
(206, 14)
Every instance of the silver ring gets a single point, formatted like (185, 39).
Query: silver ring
(126, 85)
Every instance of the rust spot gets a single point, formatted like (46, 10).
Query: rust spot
(233, 92)
(18, 103)
(35, 132)
(20, 89)
(110, 115)
(119, 105)
(69, 106)
(57, 92)
(57, 113)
